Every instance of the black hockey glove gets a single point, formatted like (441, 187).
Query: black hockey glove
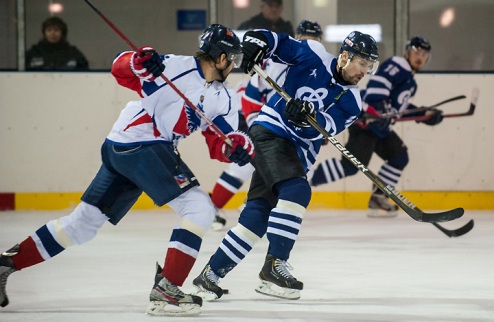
(254, 47)
(436, 117)
(296, 111)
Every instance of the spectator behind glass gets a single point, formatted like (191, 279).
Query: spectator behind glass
(53, 52)
(269, 18)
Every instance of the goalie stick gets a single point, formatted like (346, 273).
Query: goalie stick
(412, 210)
(471, 110)
(227, 140)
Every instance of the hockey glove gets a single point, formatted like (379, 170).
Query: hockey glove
(146, 64)
(296, 111)
(242, 149)
(254, 47)
(436, 117)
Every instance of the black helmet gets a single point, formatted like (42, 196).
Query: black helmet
(363, 45)
(309, 28)
(217, 39)
(418, 42)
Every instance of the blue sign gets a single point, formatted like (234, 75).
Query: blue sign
(191, 19)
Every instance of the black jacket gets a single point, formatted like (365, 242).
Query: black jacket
(259, 22)
(59, 56)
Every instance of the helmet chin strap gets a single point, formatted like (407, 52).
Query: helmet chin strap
(340, 69)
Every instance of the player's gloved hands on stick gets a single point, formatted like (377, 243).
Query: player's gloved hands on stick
(436, 117)
(254, 47)
(296, 111)
(146, 64)
(242, 149)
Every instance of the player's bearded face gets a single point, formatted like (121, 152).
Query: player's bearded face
(356, 70)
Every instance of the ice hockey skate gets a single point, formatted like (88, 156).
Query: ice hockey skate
(219, 222)
(277, 281)
(380, 206)
(6, 268)
(206, 285)
(168, 300)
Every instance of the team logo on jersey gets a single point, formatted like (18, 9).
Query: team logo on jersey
(316, 96)
(187, 123)
(182, 180)
(313, 72)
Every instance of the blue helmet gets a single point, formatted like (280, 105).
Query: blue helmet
(360, 44)
(309, 28)
(418, 42)
(217, 39)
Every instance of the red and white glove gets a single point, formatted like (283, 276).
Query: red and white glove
(146, 64)
(242, 149)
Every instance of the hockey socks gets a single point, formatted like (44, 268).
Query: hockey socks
(181, 255)
(327, 171)
(224, 189)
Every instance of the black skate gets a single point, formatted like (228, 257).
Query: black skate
(380, 206)
(6, 268)
(206, 285)
(219, 222)
(277, 281)
(168, 300)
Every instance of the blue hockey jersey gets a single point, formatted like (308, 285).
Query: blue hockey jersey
(310, 78)
(390, 88)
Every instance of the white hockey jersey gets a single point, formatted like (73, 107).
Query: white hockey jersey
(162, 115)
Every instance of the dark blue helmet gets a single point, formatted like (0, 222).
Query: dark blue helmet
(217, 39)
(360, 44)
(418, 42)
(309, 28)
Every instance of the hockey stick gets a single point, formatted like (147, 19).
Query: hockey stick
(368, 116)
(471, 110)
(456, 232)
(189, 103)
(413, 211)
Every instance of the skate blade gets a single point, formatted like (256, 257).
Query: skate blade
(380, 213)
(162, 308)
(270, 289)
(203, 293)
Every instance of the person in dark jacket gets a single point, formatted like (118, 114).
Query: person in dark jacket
(54, 52)
(269, 18)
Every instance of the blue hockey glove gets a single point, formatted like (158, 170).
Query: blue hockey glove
(146, 64)
(296, 111)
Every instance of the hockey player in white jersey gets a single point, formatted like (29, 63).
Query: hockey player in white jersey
(322, 86)
(140, 155)
(256, 93)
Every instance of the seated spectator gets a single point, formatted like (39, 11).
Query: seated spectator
(269, 18)
(54, 52)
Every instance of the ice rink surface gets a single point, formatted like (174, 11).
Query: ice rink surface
(354, 269)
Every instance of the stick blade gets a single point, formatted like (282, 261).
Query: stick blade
(440, 216)
(462, 230)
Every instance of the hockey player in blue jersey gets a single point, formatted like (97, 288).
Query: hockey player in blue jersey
(256, 92)
(387, 91)
(323, 86)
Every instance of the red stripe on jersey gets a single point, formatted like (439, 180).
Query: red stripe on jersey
(124, 75)
(146, 118)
